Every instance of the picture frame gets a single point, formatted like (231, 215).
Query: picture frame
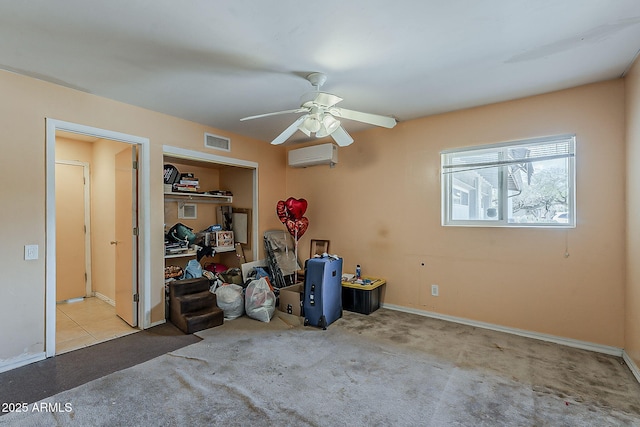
(224, 239)
(242, 223)
(187, 211)
(318, 247)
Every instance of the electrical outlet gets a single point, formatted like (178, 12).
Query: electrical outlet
(434, 290)
(30, 252)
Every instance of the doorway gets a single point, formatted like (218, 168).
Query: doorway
(90, 313)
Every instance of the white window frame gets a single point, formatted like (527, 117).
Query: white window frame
(447, 184)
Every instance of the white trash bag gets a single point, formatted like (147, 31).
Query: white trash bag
(260, 301)
(230, 300)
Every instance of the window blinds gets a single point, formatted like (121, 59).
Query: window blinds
(536, 150)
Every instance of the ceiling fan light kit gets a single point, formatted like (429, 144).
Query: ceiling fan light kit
(312, 124)
(320, 116)
(330, 123)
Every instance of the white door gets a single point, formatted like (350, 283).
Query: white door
(125, 239)
(71, 273)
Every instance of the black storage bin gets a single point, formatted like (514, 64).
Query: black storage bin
(360, 300)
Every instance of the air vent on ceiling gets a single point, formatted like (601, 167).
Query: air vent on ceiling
(217, 142)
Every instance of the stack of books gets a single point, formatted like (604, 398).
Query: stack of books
(174, 248)
(187, 183)
(220, 192)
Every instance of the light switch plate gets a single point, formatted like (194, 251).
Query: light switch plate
(30, 252)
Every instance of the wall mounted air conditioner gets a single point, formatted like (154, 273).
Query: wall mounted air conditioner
(321, 154)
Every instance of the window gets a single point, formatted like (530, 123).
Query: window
(528, 183)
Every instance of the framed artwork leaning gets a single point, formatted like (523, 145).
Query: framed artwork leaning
(319, 247)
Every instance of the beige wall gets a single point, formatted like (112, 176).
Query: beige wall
(380, 207)
(632, 294)
(25, 104)
(70, 149)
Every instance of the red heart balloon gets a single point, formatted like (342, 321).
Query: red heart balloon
(297, 227)
(281, 210)
(296, 207)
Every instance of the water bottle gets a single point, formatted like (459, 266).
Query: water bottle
(358, 272)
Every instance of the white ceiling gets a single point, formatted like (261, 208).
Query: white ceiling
(216, 61)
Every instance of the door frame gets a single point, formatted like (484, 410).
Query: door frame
(144, 236)
(187, 154)
(88, 286)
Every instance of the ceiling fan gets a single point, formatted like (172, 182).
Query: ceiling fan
(321, 116)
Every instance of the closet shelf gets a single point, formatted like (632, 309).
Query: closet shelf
(191, 253)
(199, 197)
(181, 255)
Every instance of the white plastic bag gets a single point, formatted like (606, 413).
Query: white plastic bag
(230, 300)
(260, 301)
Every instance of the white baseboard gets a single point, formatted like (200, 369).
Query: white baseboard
(583, 345)
(632, 366)
(8, 365)
(104, 298)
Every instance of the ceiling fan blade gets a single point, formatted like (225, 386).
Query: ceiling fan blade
(372, 119)
(341, 137)
(327, 99)
(289, 131)
(297, 110)
(319, 98)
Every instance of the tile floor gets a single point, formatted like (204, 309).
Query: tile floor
(87, 322)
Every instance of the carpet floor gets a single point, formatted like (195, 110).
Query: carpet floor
(48, 377)
(385, 369)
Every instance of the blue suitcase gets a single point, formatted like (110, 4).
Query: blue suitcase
(322, 291)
